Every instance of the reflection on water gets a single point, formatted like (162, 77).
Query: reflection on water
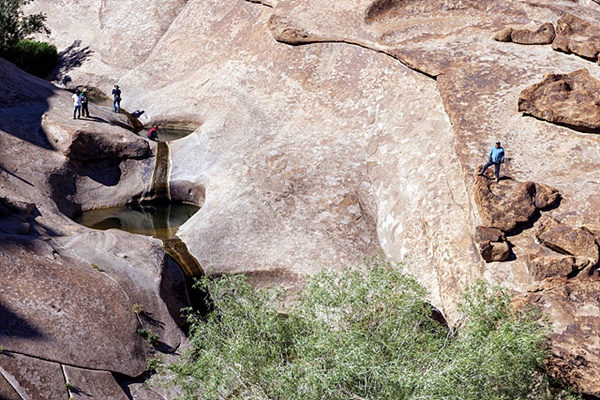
(167, 134)
(160, 221)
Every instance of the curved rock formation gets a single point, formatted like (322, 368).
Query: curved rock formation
(543, 35)
(315, 156)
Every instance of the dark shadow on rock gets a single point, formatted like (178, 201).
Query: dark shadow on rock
(146, 316)
(580, 129)
(79, 391)
(106, 172)
(137, 113)
(14, 326)
(164, 348)
(96, 119)
(526, 225)
(25, 124)
(72, 57)
(63, 188)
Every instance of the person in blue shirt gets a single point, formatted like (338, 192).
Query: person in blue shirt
(495, 157)
(116, 92)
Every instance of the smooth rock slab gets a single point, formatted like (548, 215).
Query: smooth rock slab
(569, 99)
(33, 378)
(93, 384)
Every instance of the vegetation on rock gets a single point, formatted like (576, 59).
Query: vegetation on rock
(359, 335)
(37, 58)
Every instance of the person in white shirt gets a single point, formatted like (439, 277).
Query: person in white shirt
(76, 104)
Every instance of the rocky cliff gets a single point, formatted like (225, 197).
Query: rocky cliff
(330, 131)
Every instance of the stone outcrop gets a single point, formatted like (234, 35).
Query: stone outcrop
(578, 36)
(542, 35)
(317, 155)
(557, 266)
(570, 99)
(493, 245)
(566, 240)
(574, 309)
(505, 204)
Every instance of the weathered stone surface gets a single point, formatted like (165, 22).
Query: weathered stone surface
(483, 234)
(33, 378)
(494, 251)
(556, 266)
(566, 240)
(570, 99)
(542, 35)
(94, 384)
(574, 309)
(6, 390)
(576, 35)
(505, 204)
(545, 196)
(422, 138)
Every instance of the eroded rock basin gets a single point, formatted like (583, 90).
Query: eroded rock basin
(160, 220)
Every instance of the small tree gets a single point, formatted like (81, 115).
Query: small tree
(15, 26)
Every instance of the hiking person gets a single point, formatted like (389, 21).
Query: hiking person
(84, 103)
(495, 157)
(116, 92)
(153, 133)
(76, 104)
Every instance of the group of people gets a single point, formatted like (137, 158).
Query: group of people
(80, 107)
(80, 103)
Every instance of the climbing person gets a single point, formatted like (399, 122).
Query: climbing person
(116, 92)
(153, 133)
(84, 103)
(495, 157)
(76, 104)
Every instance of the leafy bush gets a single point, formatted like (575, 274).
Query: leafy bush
(359, 335)
(37, 58)
(15, 26)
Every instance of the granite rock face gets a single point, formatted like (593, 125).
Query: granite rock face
(578, 36)
(566, 240)
(315, 156)
(570, 99)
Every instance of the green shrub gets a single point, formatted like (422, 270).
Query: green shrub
(152, 338)
(359, 335)
(36, 58)
(15, 25)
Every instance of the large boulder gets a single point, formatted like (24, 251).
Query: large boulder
(570, 99)
(544, 34)
(577, 35)
(505, 204)
(567, 240)
(556, 266)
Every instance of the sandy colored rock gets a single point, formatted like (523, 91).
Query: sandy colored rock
(494, 251)
(556, 266)
(574, 309)
(545, 196)
(542, 35)
(570, 99)
(577, 35)
(567, 240)
(505, 204)
(95, 384)
(483, 234)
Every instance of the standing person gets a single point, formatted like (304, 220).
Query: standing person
(116, 92)
(153, 132)
(76, 104)
(495, 157)
(84, 103)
